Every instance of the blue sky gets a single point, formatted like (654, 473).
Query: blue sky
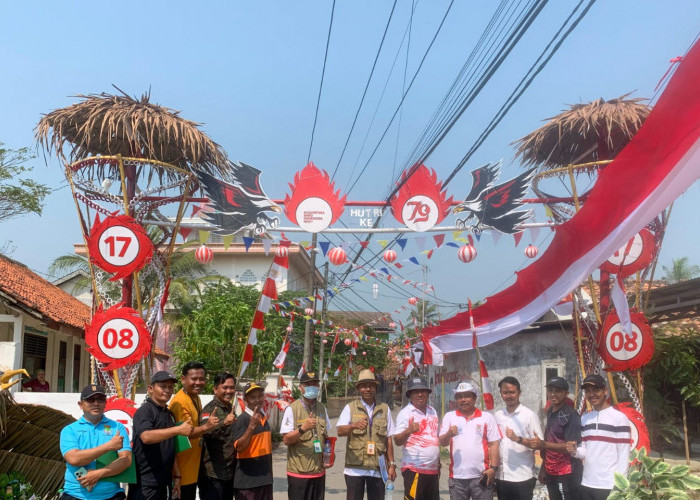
(249, 71)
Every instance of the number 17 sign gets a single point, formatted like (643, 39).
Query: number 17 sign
(119, 245)
(117, 337)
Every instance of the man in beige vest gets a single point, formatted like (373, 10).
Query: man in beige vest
(368, 426)
(305, 427)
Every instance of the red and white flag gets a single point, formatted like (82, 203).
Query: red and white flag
(268, 294)
(282, 356)
(486, 386)
(660, 162)
(302, 370)
(337, 371)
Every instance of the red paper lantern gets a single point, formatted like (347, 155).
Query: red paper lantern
(531, 251)
(282, 251)
(467, 253)
(392, 325)
(204, 254)
(308, 311)
(390, 256)
(289, 329)
(325, 341)
(347, 342)
(413, 301)
(337, 256)
(364, 353)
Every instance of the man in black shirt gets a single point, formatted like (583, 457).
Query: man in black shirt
(154, 442)
(219, 455)
(253, 442)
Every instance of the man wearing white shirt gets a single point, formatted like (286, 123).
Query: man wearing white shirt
(369, 428)
(417, 431)
(519, 424)
(605, 442)
(473, 437)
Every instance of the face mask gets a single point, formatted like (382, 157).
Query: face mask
(311, 392)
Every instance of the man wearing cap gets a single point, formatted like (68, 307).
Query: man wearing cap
(218, 456)
(87, 439)
(253, 442)
(473, 438)
(417, 431)
(518, 424)
(305, 426)
(154, 442)
(605, 442)
(369, 428)
(560, 471)
(187, 407)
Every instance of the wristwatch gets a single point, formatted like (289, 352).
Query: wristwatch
(520, 439)
(392, 464)
(299, 429)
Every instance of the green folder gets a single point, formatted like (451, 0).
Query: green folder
(128, 475)
(182, 443)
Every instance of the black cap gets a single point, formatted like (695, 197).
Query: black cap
(250, 387)
(308, 377)
(91, 390)
(417, 384)
(558, 382)
(594, 381)
(162, 376)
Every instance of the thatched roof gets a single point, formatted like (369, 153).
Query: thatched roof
(104, 124)
(577, 135)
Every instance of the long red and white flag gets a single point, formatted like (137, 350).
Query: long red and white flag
(660, 162)
(486, 386)
(338, 370)
(268, 294)
(282, 356)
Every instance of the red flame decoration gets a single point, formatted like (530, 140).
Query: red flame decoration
(313, 182)
(422, 182)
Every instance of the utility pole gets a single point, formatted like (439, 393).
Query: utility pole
(324, 308)
(308, 334)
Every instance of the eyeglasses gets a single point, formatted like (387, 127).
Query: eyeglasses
(96, 399)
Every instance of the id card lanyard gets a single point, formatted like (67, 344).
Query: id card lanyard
(370, 443)
(317, 442)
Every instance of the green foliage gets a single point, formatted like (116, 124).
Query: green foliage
(680, 270)
(18, 194)
(14, 486)
(650, 478)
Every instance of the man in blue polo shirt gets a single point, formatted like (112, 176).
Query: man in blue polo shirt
(87, 439)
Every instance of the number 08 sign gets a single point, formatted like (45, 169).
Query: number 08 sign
(119, 245)
(117, 337)
(626, 351)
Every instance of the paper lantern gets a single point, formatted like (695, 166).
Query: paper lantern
(282, 251)
(392, 325)
(289, 329)
(364, 353)
(325, 341)
(413, 301)
(337, 256)
(204, 254)
(390, 256)
(308, 311)
(467, 253)
(531, 251)
(347, 342)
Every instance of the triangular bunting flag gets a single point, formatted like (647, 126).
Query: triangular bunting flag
(534, 233)
(364, 244)
(496, 237)
(267, 244)
(247, 241)
(227, 240)
(517, 237)
(324, 246)
(439, 239)
(185, 232)
(383, 243)
(204, 236)
(414, 260)
(402, 243)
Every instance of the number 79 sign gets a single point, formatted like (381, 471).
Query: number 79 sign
(117, 337)
(119, 245)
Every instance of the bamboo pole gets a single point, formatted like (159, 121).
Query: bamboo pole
(685, 433)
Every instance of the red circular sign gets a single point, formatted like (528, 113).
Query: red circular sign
(634, 256)
(121, 410)
(624, 351)
(117, 337)
(119, 245)
(638, 429)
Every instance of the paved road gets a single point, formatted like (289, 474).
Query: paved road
(335, 481)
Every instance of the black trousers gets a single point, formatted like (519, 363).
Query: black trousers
(428, 487)
(515, 490)
(564, 487)
(302, 488)
(189, 491)
(142, 492)
(593, 493)
(259, 493)
(356, 487)
(218, 489)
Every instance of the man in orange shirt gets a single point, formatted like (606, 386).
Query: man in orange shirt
(187, 407)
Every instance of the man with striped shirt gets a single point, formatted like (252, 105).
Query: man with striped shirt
(605, 442)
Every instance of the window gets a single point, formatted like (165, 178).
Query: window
(77, 353)
(62, 355)
(551, 368)
(34, 353)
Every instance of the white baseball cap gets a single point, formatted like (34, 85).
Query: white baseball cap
(466, 387)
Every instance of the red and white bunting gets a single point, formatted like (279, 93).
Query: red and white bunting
(268, 294)
(337, 371)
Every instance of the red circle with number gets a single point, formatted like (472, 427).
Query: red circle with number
(121, 410)
(119, 245)
(624, 351)
(633, 256)
(117, 337)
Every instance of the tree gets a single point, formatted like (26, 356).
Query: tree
(680, 270)
(18, 194)
(424, 313)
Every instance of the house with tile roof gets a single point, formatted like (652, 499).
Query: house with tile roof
(42, 327)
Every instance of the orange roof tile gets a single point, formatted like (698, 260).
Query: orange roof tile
(34, 292)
